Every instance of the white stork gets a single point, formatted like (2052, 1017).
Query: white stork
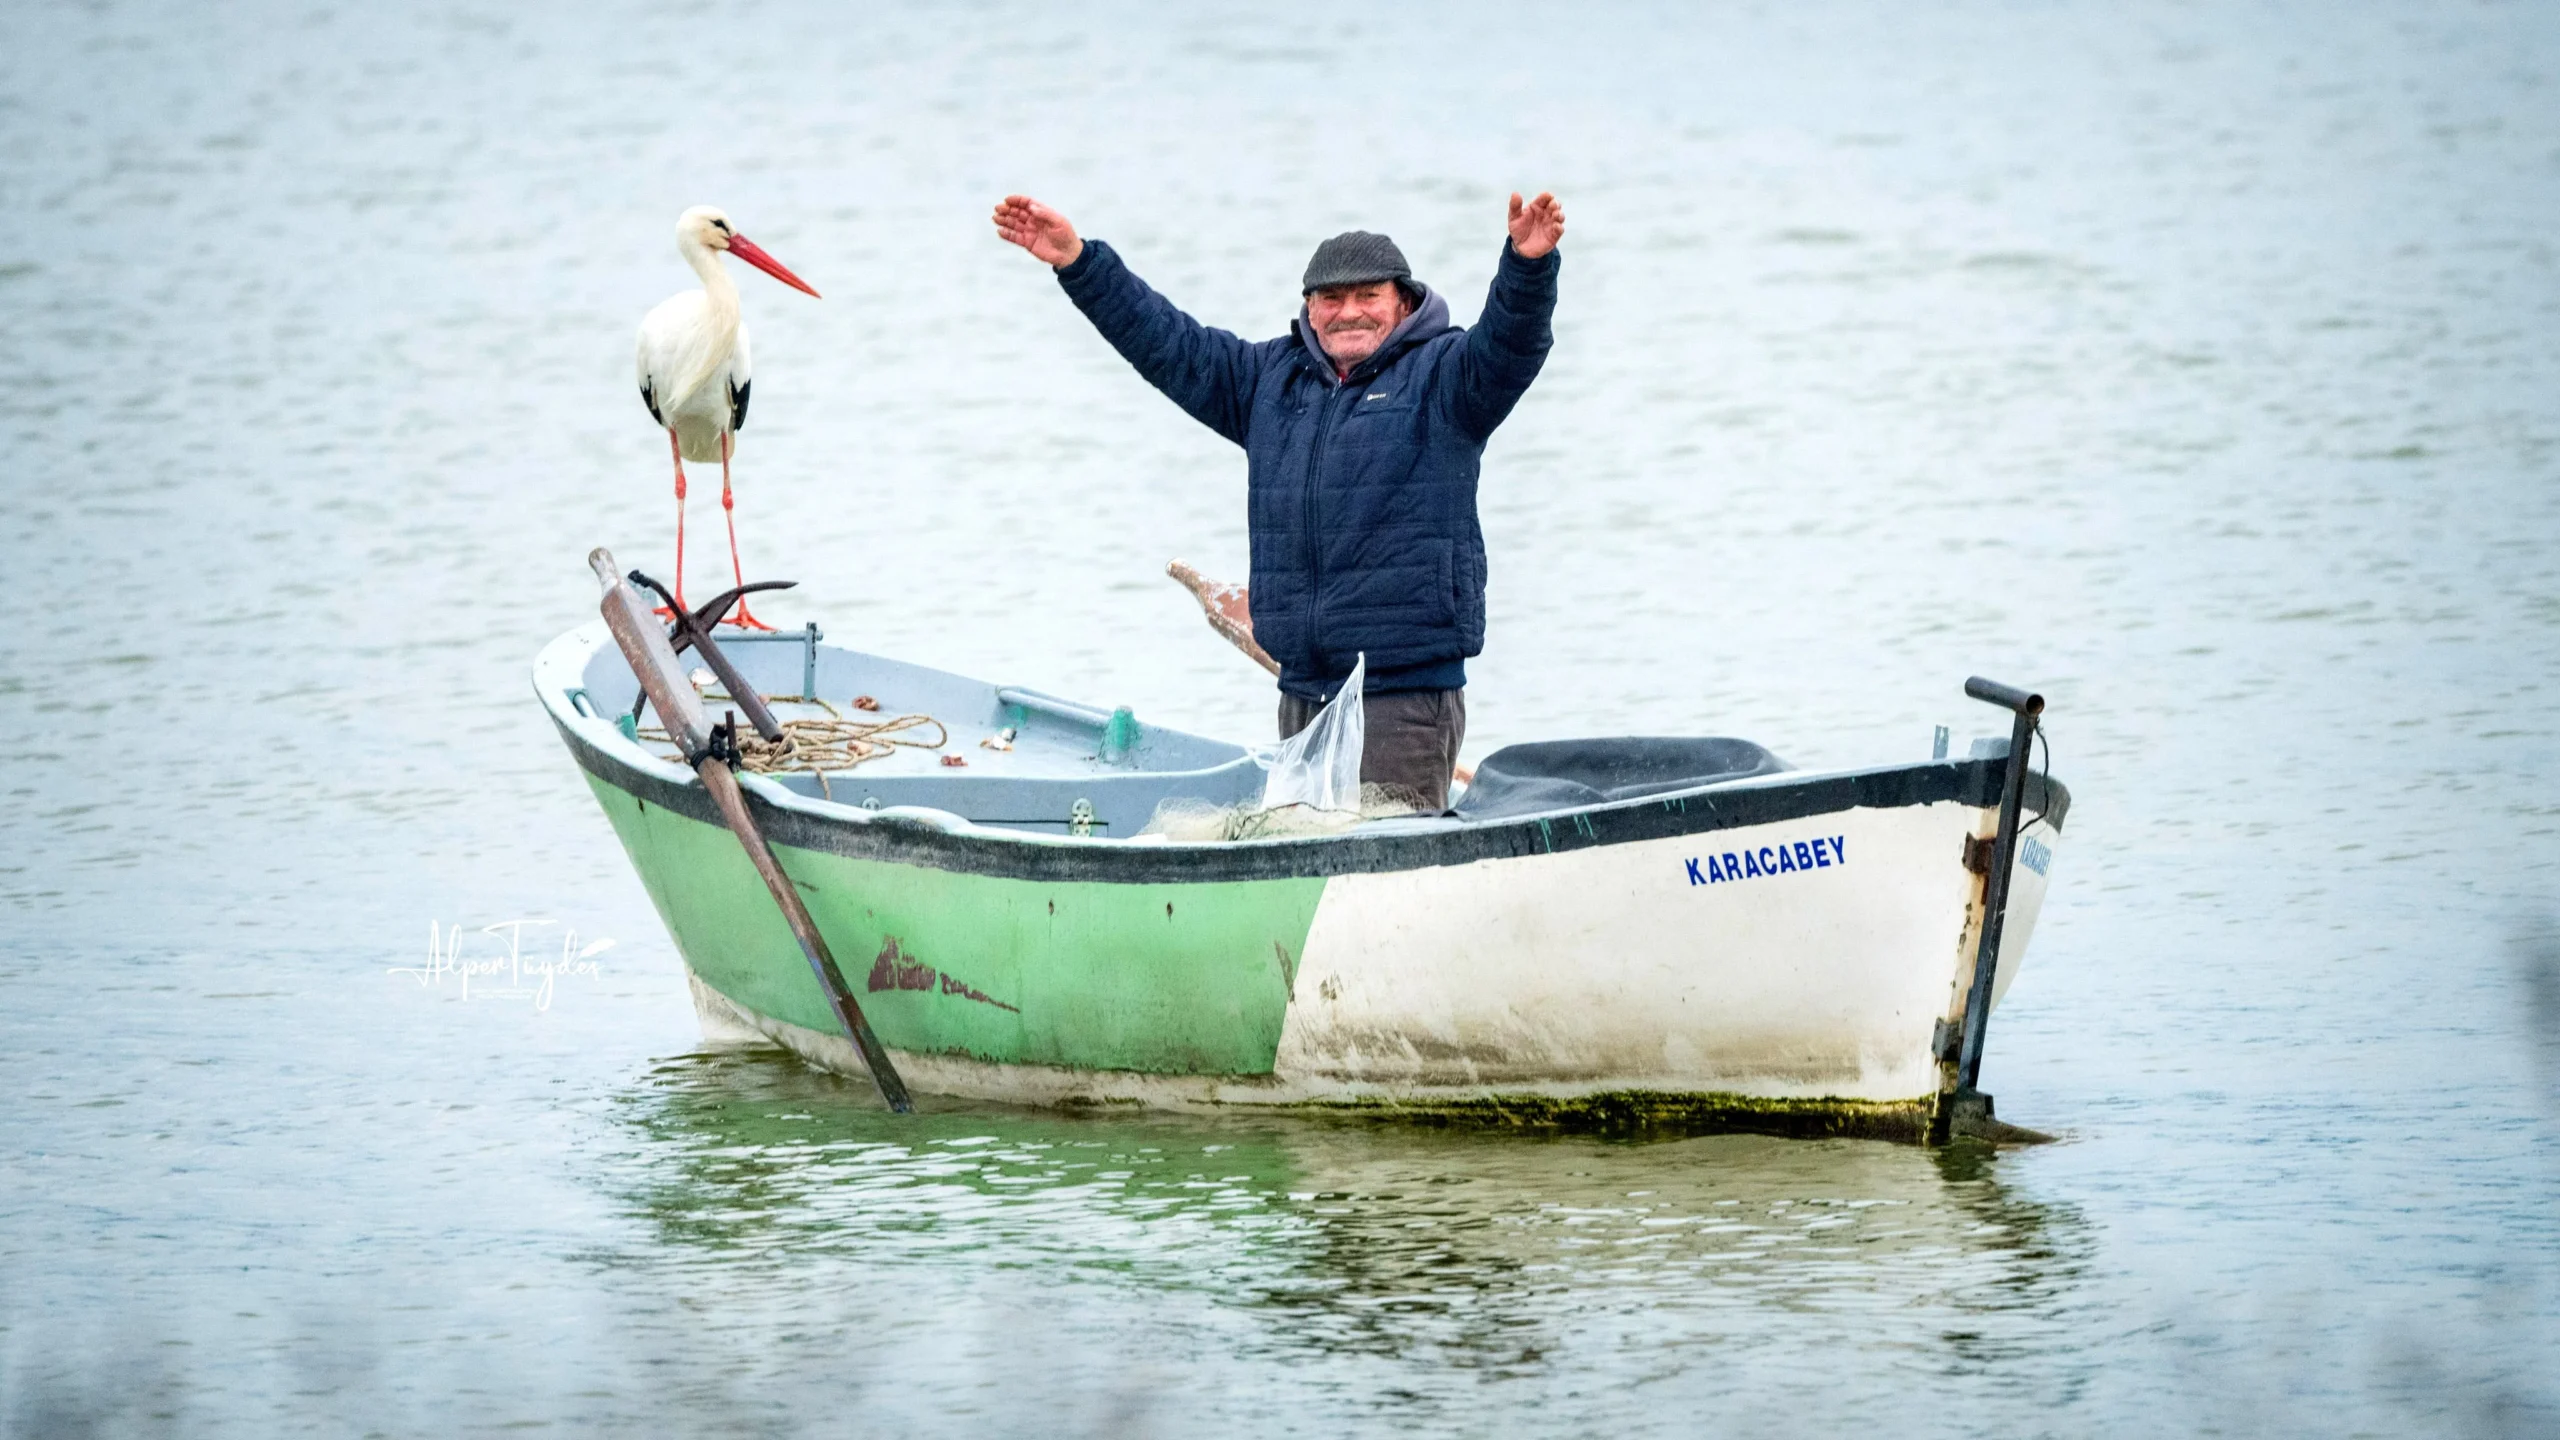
(694, 370)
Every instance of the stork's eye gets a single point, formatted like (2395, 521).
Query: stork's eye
(722, 226)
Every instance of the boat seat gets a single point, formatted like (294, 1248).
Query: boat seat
(1574, 774)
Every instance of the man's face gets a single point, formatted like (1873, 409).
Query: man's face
(1352, 320)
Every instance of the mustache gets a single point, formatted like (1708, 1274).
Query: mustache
(1338, 326)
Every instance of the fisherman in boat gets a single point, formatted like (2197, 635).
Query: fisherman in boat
(1363, 429)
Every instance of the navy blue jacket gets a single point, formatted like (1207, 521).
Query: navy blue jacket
(1360, 493)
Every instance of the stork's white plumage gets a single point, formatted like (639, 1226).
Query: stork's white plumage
(694, 367)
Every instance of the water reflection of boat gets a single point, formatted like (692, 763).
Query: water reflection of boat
(1625, 931)
(1360, 1243)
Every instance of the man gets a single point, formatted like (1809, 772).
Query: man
(1363, 431)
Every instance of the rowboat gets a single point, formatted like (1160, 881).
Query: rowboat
(1604, 932)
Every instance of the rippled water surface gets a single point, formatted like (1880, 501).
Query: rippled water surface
(2192, 364)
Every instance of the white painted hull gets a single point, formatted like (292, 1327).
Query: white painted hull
(1608, 968)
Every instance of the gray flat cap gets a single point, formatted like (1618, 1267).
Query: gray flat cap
(1355, 257)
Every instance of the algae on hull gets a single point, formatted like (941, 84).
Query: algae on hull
(1658, 1112)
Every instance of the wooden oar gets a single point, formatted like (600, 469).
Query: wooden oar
(709, 751)
(1229, 610)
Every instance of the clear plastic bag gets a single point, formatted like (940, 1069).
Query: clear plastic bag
(1319, 767)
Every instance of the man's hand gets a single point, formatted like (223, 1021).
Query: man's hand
(1047, 235)
(1535, 227)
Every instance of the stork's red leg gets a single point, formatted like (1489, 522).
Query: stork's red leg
(729, 508)
(676, 448)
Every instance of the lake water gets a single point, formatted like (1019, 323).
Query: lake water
(2194, 365)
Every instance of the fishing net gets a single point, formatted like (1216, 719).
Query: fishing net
(1312, 788)
(1186, 821)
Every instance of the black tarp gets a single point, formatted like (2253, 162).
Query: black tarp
(1566, 774)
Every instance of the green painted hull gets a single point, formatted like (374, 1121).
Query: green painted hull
(1165, 978)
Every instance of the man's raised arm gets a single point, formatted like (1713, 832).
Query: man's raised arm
(1509, 342)
(1208, 372)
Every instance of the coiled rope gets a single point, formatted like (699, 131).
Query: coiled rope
(814, 747)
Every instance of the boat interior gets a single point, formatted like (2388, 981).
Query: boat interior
(1032, 762)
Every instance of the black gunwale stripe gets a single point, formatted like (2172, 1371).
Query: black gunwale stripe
(1974, 782)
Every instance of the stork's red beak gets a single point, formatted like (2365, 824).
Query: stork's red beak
(749, 251)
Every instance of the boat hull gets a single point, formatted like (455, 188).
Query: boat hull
(1781, 953)
(1604, 976)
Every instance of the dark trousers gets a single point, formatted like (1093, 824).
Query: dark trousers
(1410, 742)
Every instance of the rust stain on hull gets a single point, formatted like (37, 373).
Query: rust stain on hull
(894, 969)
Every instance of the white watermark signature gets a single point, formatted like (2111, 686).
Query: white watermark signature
(501, 968)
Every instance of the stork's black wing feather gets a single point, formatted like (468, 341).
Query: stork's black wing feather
(652, 402)
(738, 405)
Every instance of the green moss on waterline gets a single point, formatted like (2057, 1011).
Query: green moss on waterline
(1657, 1112)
